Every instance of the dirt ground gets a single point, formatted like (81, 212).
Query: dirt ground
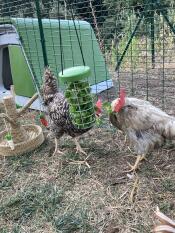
(74, 193)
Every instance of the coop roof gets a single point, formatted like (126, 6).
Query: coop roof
(28, 30)
(53, 22)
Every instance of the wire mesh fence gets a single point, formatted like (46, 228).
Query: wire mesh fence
(129, 42)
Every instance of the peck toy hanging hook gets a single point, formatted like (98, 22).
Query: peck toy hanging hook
(78, 95)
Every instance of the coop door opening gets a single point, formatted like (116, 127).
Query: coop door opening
(6, 69)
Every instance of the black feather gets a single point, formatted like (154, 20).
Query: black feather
(59, 118)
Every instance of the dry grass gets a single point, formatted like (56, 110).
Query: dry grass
(39, 193)
(46, 194)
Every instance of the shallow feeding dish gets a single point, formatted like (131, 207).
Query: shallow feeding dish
(34, 139)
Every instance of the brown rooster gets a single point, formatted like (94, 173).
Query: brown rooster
(145, 125)
(165, 224)
(59, 119)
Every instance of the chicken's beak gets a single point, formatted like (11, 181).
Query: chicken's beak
(113, 105)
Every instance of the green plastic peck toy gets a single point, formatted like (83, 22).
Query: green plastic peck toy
(78, 95)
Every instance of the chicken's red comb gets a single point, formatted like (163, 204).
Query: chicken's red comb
(122, 93)
(98, 108)
(121, 101)
(99, 103)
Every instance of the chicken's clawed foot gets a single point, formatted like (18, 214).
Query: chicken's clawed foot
(78, 147)
(137, 162)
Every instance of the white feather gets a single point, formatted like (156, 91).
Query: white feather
(140, 117)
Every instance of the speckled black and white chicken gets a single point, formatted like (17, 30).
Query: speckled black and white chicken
(145, 125)
(57, 107)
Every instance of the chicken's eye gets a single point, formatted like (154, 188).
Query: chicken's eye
(131, 107)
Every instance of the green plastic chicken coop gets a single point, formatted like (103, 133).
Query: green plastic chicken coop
(21, 52)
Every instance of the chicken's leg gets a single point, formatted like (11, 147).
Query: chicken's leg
(57, 151)
(137, 162)
(78, 147)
